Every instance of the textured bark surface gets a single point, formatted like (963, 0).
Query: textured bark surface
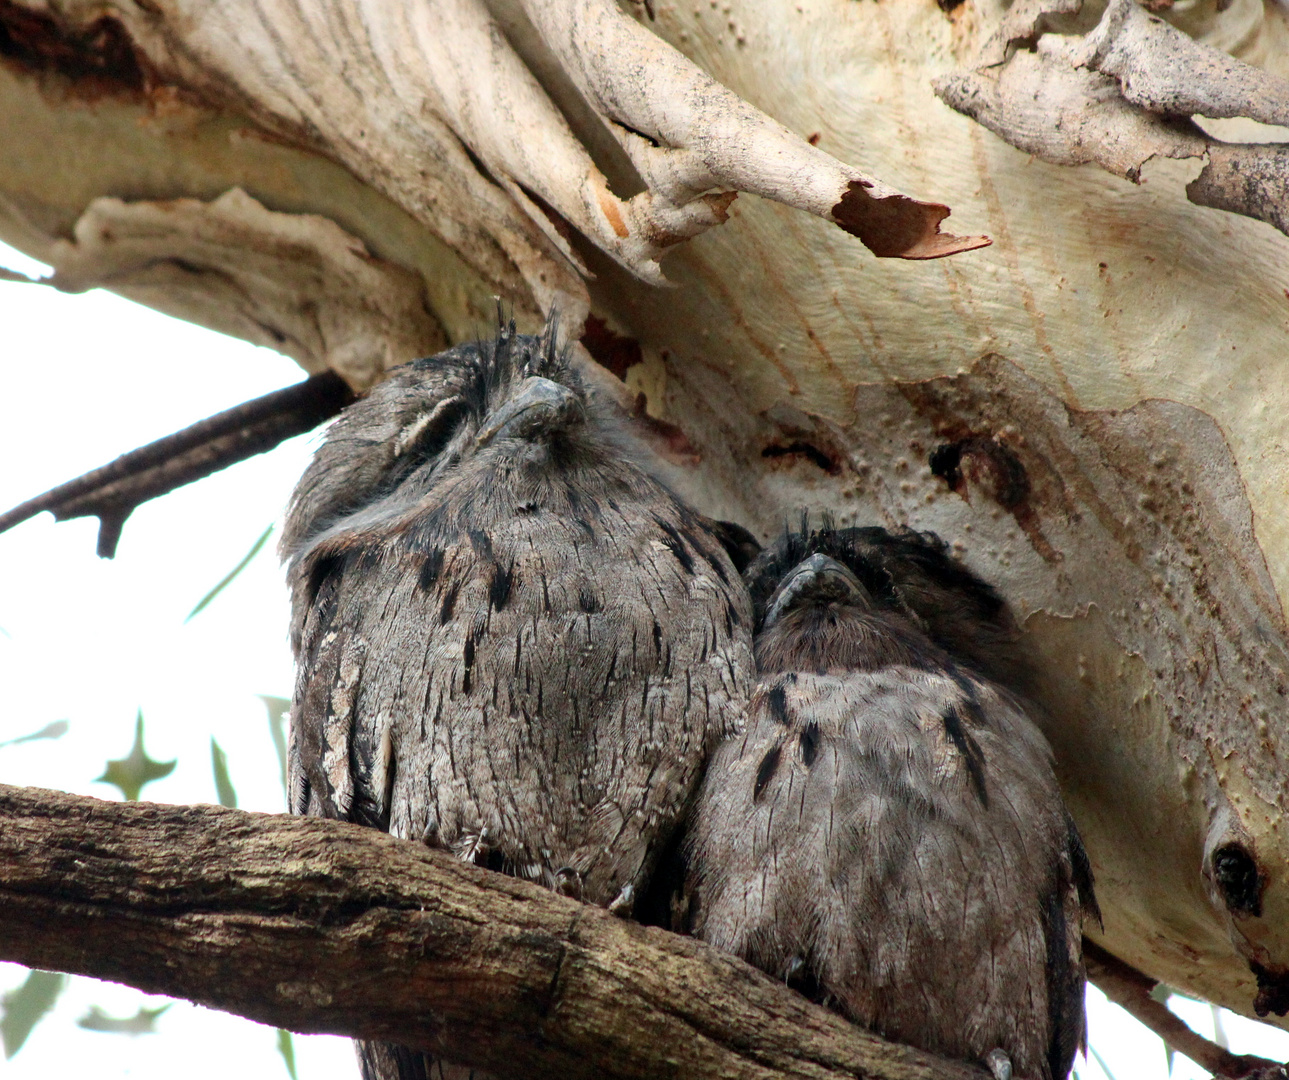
(300, 923)
(1090, 411)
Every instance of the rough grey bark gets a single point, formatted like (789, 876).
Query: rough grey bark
(317, 925)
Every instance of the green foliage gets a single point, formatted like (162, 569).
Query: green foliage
(223, 784)
(278, 707)
(136, 769)
(24, 1007)
(55, 730)
(228, 578)
(286, 1048)
(142, 1022)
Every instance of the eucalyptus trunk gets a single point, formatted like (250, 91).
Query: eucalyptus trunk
(1090, 410)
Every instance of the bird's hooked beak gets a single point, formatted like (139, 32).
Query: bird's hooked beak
(539, 407)
(813, 582)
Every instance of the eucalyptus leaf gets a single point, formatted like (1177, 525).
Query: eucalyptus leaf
(228, 578)
(24, 1007)
(223, 784)
(136, 769)
(55, 730)
(278, 707)
(286, 1047)
(1100, 1062)
(142, 1022)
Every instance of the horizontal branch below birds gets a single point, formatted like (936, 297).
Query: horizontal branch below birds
(322, 926)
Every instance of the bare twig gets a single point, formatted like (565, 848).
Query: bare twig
(112, 492)
(323, 926)
(1130, 989)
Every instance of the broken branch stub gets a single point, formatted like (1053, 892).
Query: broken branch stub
(1248, 180)
(1122, 94)
(687, 134)
(113, 492)
(1161, 69)
(1044, 105)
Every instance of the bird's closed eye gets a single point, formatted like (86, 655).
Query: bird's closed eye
(428, 434)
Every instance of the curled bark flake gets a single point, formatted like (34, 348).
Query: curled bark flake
(1161, 69)
(895, 226)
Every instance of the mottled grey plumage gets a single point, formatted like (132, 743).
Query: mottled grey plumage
(887, 833)
(512, 641)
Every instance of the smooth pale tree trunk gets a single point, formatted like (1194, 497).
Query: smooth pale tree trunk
(1091, 411)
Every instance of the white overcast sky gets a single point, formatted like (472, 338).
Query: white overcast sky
(90, 641)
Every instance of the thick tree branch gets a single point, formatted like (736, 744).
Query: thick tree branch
(322, 926)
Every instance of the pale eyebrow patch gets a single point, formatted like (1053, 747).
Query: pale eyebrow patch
(414, 430)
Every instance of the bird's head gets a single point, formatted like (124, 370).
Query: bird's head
(385, 452)
(814, 583)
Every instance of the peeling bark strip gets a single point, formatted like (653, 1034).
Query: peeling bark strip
(304, 923)
(1123, 94)
(297, 283)
(112, 493)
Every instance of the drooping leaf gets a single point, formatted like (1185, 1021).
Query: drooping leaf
(1161, 992)
(286, 1047)
(136, 769)
(55, 730)
(278, 708)
(24, 1007)
(223, 784)
(1100, 1062)
(142, 1022)
(228, 578)
(1219, 1029)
